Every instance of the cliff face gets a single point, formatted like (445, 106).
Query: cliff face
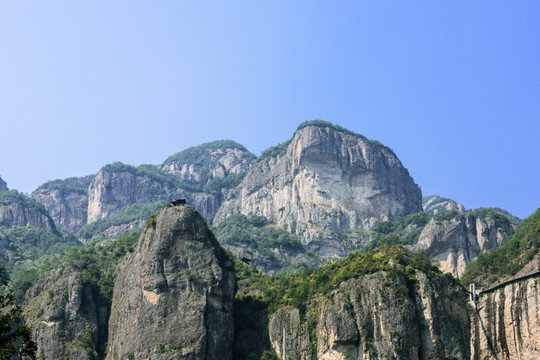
(65, 316)
(457, 240)
(219, 163)
(3, 185)
(326, 182)
(18, 210)
(378, 316)
(68, 209)
(112, 189)
(66, 201)
(173, 297)
(507, 323)
(434, 204)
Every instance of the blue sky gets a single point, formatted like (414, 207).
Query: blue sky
(452, 87)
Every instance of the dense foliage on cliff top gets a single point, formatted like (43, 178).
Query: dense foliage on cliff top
(281, 149)
(203, 160)
(69, 185)
(11, 197)
(125, 215)
(96, 262)
(254, 232)
(407, 229)
(29, 243)
(151, 172)
(510, 257)
(277, 291)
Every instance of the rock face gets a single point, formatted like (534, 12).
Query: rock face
(221, 159)
(3, 185)
(173, 297)
(65, 316)
(326, 182)
(507, 323)
(434, 204)
(68, 205)
(115, 187)
(457, 240)
(18, 210)
(378, 316)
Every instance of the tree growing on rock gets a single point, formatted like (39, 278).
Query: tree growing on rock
(15, 336)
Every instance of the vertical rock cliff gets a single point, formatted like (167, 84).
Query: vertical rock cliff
(17, 209)
(324, 182)
(455, 240)
(506, 324)
(65, 317)
(66, 200)
(378, 316)
(173, 297)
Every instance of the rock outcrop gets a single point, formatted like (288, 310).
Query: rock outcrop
(378, 316)
(66, 319)
(506, 324)
(434, 204)
(17, 209)
(66, 201)
(324, 183)
(173, 296)
(3, 185)
(456, 240)
(199, 166)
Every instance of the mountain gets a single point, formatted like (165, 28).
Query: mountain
(174, 294)
(434, 204)
(27, 231)
(201, 174)
(456, 239)
(388, 303)
(324, 182)
(66, 201)
(506, 322)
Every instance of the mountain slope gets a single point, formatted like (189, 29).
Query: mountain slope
(323, 182)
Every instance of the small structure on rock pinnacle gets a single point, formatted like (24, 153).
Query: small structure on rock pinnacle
(178, 202)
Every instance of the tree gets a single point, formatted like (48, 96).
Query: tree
(15, 336)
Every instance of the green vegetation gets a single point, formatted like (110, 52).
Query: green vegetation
(295, 290)
(326, 124)
(151, 172)
(507, 259)
(96, 262)
(10, 197)
(274, 151)
(15, 337)
(406, 230)
(202, 159)
(69, 185)
(281, 149)
(30, 242)
(125, 215)
(255, 232)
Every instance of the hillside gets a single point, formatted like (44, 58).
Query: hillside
(513, 256)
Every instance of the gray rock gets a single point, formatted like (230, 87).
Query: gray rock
(173, 297)
(327, 183)
(65, 316)
(378, 316)
(456, 241)
(17, 209)
(67, 208)
(434, 204)
(3, 185)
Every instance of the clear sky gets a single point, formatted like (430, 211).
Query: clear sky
(452, 86)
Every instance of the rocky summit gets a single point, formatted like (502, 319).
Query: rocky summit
(173, 297)
(323, 182)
